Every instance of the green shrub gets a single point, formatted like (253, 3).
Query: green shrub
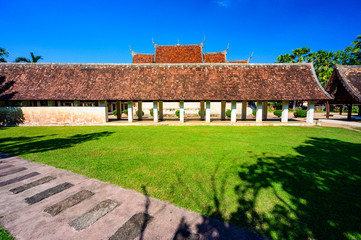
(125, 111)
(151, 112)
(254, 112)
(199, 113)
(278, 113)
(355, 110)
(300, 113)
(115, 112)
(228, 113)
(177, 113)
(136, 112)
(11, 116)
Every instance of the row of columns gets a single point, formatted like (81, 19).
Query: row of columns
(261, 111)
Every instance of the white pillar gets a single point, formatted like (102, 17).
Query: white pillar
(155, 111)
(244, 110)
(208, 111)
(160, 110)
(140, 110)
(234, 111)
(103, 104)
(202, 110)
(264, 110)
(285, 105)
(259, 111)
(223, 110)
(181, 111)
(130, 111)
(310, 111)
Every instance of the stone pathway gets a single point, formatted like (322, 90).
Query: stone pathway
(41, 202)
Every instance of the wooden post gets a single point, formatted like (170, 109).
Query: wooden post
(264, 110)
(244, 110)
(140, 110)
(223, 110)
(202, 110)
(349, 113)
(160, 110)
(327, 110)
(341, 109)
(119, 110)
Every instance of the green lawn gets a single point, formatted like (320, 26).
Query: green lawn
(282, 182)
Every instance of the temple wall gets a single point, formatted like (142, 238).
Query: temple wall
(40, 116)
(191, 108)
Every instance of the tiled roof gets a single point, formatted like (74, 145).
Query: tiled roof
(168, 82)
(219, 57)
(345, 84)
(143, 58)
(178, 54)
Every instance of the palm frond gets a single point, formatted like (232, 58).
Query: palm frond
(22, 59)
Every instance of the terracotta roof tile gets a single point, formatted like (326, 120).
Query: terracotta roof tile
(143, 58)
(178, 54)
(215, 57)
(168, 82)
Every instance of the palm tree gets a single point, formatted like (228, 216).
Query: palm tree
(34, 59)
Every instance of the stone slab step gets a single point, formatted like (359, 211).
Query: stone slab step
(93, 215)
(18, 179)
(6, 166)
(32, 184)
(68, 202)
(16, 170)
(48, 193)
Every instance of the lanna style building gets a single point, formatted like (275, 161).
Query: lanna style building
(345, 87)
(158, 83)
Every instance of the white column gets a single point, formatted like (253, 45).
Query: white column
(259, 111)
(208, 111)
(155, 111)
(181, 111)
(285, 105)
(234, 111)
(202, 110)
(244, 110)
(310, 111)
(140, 110)
(264, 110)
(223, 110)
(103, 104)
(160, 111)
(130, 111)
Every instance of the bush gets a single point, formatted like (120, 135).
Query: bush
(125, 111)
(136, 112)
(177, 113)
(115, 112)
(355, 110)
(199, 113)
(300, 113)
(11, 116)
(228, 113)
(278, 113)
(254, 112)
(151, 112)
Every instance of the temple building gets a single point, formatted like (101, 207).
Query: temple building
(178, 78)
(192, 53)
(182, 54)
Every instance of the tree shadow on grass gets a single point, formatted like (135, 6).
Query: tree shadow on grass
(24, 145)
(314, 194)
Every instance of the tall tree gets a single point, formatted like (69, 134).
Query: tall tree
(33, 59)
(3, 54)
(324, 61)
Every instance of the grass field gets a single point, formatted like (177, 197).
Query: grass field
(282, 182)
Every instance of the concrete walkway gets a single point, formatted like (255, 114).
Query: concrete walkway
(42, 202)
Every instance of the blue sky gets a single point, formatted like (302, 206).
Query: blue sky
(101, 31)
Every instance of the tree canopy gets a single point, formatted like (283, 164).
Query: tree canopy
(324, 61)
(33, 59)
(3, 54)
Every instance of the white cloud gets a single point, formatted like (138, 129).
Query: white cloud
(223, 3)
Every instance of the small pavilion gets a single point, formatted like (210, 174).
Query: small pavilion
(345, 87)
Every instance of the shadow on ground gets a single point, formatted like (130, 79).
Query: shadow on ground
(314, 194)
(24, 145)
